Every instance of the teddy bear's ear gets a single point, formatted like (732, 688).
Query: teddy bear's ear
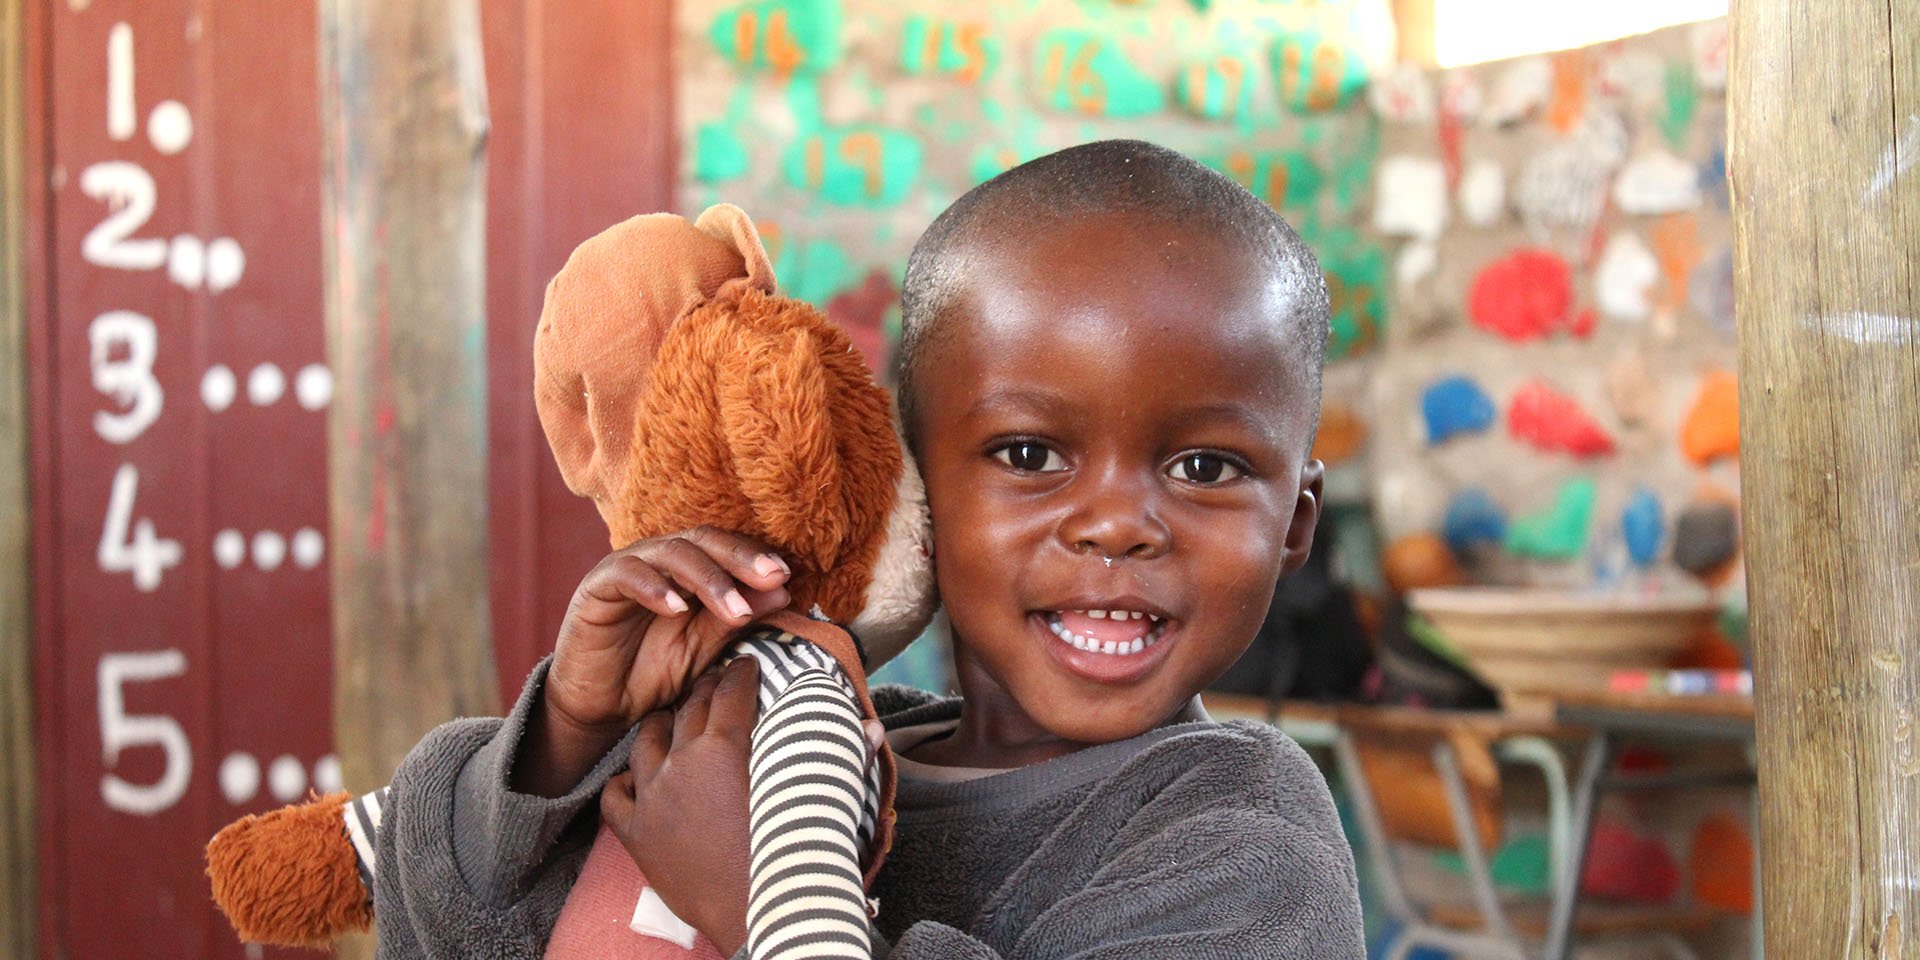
(775, 414)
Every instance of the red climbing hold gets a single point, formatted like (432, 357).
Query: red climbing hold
(1522, 296)
(1554, 421)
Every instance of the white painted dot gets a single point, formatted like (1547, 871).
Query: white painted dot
(217, 387)
(269, 549)
(229, 548)
(314, 386)
(170, 127)
(187, 261)
(287, 778)
(225, 263)
(239, 777)
(326, 775)
(266, 384)
(308, 548)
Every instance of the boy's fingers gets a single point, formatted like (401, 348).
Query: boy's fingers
(750, 561)
(650, 744)
(625, 582)
(691, 719)
(616, 801)
(876, 737)
(698, 572)
(735, 700)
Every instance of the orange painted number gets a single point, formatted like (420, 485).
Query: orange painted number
(863, 150)
(783, 53)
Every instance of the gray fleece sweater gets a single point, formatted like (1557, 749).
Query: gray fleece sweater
(1199, 840)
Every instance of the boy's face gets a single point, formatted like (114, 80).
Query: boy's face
(1111, 423)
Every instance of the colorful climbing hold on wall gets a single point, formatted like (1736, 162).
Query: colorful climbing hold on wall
(1560, 531)
(1473, 518)
(1722, 864)
(1341, 435)
(1643, 527)
(1085, 72)
(855, 166)
(1217, 88)
(1683, 101)
(1453, 406)
(1551, 420)
(1712, 427)
(785, 36)
(1315, 73)
(1523, 296)
(959, 49)
(1705, 539)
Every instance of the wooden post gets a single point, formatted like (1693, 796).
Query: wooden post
(1824, 111)
(404, 117)
(19, 871)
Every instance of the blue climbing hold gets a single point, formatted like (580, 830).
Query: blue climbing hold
(1644, 527)
(1453, 406)
(1472, 519)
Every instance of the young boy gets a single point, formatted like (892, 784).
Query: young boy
(1111, 380)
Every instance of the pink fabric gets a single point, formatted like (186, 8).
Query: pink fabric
(594, 921)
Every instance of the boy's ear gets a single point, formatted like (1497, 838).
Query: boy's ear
(1306, 515)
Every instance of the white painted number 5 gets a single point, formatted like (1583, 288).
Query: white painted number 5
(119, 731)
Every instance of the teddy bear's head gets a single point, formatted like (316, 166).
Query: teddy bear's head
(677, 389)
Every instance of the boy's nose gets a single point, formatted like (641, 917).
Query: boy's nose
(1118, 522)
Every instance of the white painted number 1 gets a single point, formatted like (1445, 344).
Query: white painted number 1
(141, 554)
(120, 731)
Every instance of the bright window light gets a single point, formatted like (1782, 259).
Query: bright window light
(1470, 31)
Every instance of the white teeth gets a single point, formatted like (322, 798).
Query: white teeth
(1108, 647)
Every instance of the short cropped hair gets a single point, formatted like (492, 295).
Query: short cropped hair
(1127, 177)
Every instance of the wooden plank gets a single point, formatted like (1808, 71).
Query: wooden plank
(404, 118)
(1824, 132)
(18, 869)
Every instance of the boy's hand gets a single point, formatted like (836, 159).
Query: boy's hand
(632, 642)
(681, 809)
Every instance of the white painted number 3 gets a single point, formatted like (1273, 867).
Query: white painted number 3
(127, 546)
(123, 345)
(121, 731)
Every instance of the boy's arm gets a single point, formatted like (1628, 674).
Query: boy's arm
(465, 860)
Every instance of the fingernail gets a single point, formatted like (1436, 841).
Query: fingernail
(737, 604)
(768, 565)
(676, 603)
(876, 733)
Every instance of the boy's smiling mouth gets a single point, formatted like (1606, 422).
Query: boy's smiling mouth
(1105, 640)
(1109, 632)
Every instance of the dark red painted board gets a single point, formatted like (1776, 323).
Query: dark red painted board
(183, 658)
(225, 647)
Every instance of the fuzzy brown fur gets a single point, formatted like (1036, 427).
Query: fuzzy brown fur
(762, 418)
(300, 853)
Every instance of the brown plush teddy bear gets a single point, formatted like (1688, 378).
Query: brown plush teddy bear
(676, 389)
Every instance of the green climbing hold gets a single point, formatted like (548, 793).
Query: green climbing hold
(1560, 531)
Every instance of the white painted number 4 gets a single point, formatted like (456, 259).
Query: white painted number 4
(120, 731)
(127, 546)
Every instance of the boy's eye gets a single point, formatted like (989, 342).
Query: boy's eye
(1204, 468)
(1029, 456)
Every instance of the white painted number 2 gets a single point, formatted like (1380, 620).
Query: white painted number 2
(129, 194)
(121, 731)
(123, 345)
(127, 546)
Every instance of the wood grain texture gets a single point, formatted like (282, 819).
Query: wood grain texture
(1824, 117)
(18, 870)
(404, 117)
